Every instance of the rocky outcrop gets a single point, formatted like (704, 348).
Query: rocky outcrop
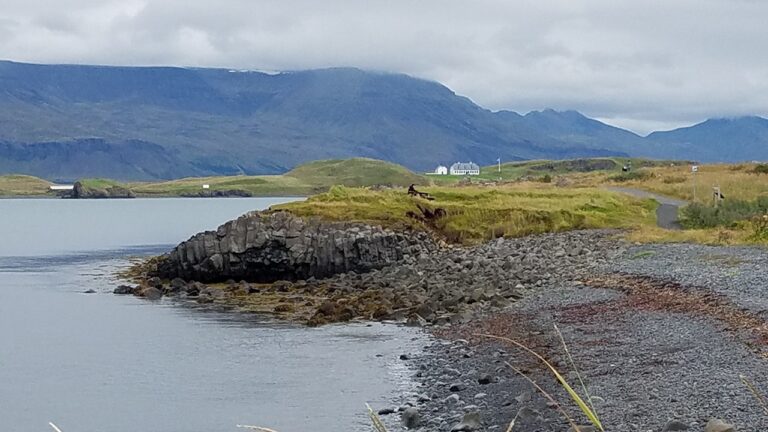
(207, 193)
(83, 191)
(267, 247)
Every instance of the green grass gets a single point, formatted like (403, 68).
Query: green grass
(537, 169)
(475, 214)
(23, 185)
(356, 172)
(728, 213)
(255, 185)
(99, 183)
(307, 179)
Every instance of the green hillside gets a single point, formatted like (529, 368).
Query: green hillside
(23, 185)
(539, 168)
(355, 172)
(306, 179)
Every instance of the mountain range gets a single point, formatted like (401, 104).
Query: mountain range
(63, 122)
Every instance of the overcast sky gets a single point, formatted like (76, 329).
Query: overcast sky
(643, 65)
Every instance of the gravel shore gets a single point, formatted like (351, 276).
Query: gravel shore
(661, 334)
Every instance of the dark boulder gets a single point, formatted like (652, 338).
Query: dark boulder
(269, 247)
(124, 290)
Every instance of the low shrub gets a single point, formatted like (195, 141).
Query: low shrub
(631, 176)
(728, 213)
(674, 179)
(760, 169)
(759, 226)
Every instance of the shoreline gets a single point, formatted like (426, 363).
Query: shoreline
(657, 348)
(625, 317)
(33, 197)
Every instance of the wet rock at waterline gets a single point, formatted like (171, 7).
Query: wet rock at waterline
(448, 285)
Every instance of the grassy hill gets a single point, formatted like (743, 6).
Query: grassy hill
(474, 214)
(23, 185)
(354, 172)
(307, 179)
(537, 169)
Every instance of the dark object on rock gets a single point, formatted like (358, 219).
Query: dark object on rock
(485, 379)
(268, 247)
(410, 418)
(404, 357)
(387, 411)
(124, 290)
(284, 307)
(90, 291)
(456, 387)
(282, 286)
(674, 426)
(470, 422)
(413, 192)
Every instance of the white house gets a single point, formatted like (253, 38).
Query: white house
(62, 187)
(441, 170)
(465, 168)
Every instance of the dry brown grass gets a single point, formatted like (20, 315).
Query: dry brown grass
(735, 181)
(644, 293)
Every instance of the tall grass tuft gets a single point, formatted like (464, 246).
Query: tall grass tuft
(583, 406)
(756, 393)
(375, 420)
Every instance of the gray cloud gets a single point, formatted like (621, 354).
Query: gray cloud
(642, 65)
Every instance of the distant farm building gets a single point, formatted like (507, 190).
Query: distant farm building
(441, 170)
(465, 168)
(59, 188)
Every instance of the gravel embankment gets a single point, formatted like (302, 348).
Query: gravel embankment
(651, 363)
(738, 273)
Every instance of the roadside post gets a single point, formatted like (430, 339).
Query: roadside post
(694, 170)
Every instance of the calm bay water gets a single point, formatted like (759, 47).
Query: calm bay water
(97, 362)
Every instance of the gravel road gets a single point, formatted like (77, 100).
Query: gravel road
(666, 213)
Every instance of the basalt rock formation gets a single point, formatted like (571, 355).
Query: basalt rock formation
(267, 247)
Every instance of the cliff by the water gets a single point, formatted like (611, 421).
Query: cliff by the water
(267, 247)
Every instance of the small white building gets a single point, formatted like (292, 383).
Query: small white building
(465, 168)
(441, 170)
(62, 187)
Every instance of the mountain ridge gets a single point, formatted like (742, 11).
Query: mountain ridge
(169, 122)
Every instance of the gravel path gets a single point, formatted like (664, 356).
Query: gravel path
(661, 333)
(666, 214)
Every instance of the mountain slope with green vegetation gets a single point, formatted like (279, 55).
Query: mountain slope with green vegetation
(23, 185)
(355, 172)
(539, 169)
(307, 179)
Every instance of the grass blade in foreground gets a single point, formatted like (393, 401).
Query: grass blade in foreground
(257, 428)
(759, 396)
(572, 393)
(377, 423)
